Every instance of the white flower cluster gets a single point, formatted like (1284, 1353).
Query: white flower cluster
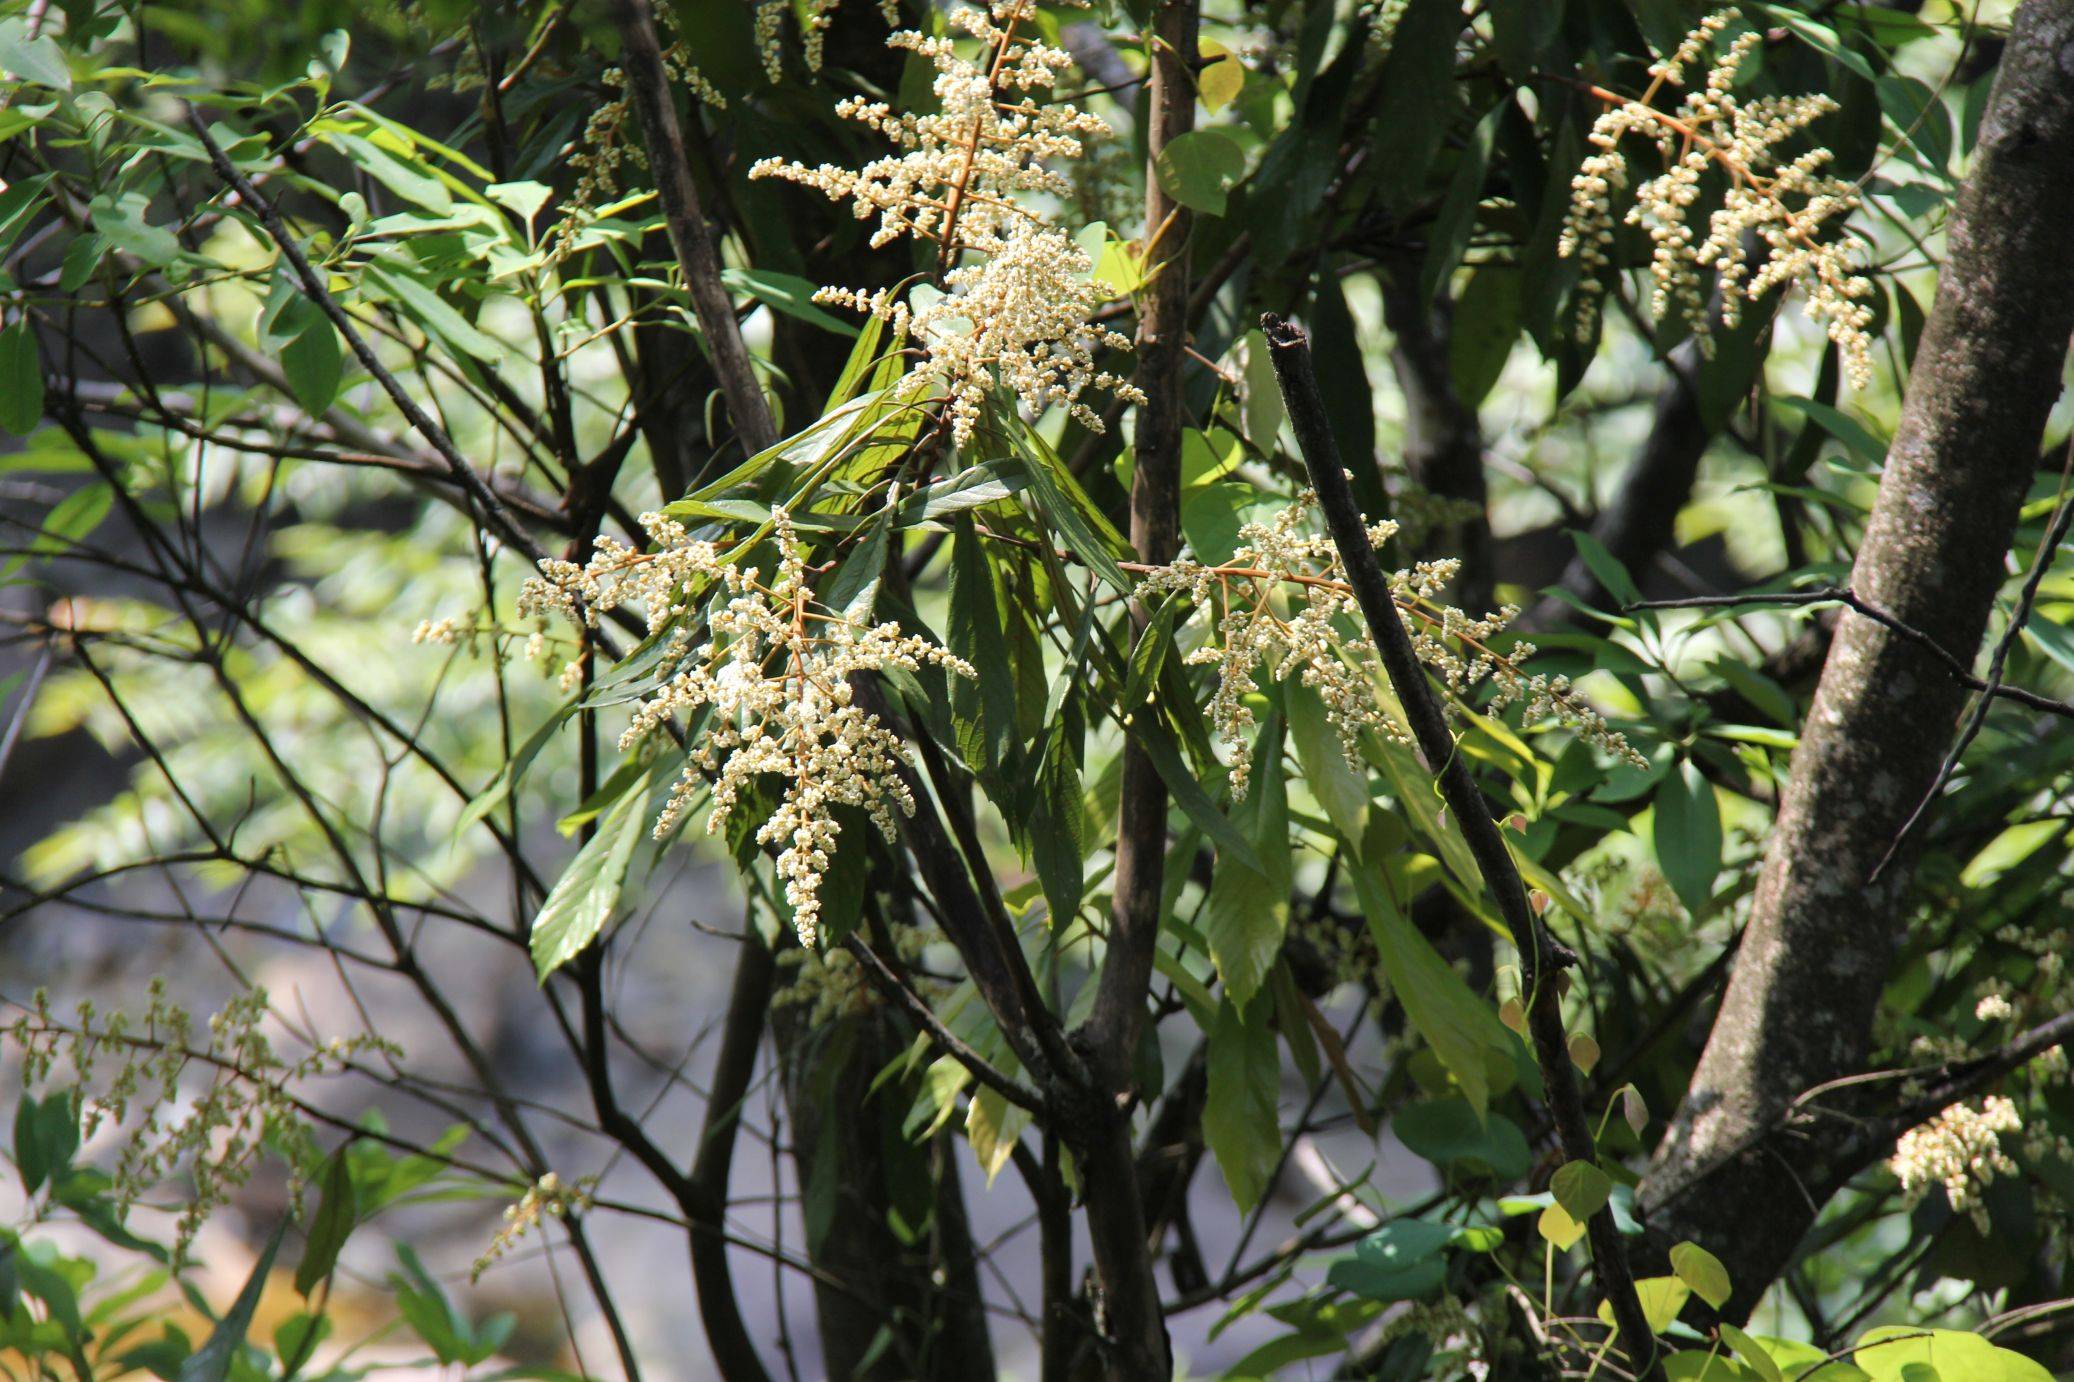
(1287, 605)
(1959, 1149)
(1787, 206)
(774, 671)
(1020, 311)
(549, 1197)
(813, 25)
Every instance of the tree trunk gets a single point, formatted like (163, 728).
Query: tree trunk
(1807, 980)
(857, 1169)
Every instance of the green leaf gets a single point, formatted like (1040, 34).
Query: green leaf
(121, 221)
(214, 1360)
(311, 361)
(1241, 1120)
(587, 894)
(1693, 1366)
(992, 1128)
(46, 1135)
(787, 293)
(1341, 790)
(1752, 1354)
(413, 182)
(337, 1213)
(1846, 429)
(37, 60)
(1886, 1354)
(1608, 572)
(1199, 169)
(1189, 795)
(21, 379)
(73, 517)
(523, 198)
(1485, 324)
(512, 773)
(1057, 843)
(1703, 1272)
(1456, 220)
(1247, 910)
(1463, 1030)
(1687, 835)
(1402, 1260)
(434, 314)
(1581, 1188)
(2010, 847)
(1448, 1131)
(1662, 1298)
(1559, 1228)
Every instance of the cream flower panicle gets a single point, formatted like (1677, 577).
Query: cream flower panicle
(1788, 206)
(1961, 1150)
(1287, 607)
(773, 671)
(1018, 306)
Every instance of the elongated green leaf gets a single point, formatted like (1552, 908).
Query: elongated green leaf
(73, 517)
(1241, 1124)
(21, 379)
(1688, 836)
(312, 363)
(213, 1361)
(39, 60)
(587, 894)
(1340, 789)
(1247, 911)
(1463, 1030)
(337, 1212)
(434, 314)
(415, 184)
(787, 293)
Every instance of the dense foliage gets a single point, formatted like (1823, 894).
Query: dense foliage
(481, 465)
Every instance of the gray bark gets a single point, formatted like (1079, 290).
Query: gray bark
(1807, 980)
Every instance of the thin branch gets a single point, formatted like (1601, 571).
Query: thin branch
(1843, 595)
(313, 287)
(2055, 533)
(649, 83)
(1289, 348)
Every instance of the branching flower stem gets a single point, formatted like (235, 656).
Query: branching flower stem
(1540, 957)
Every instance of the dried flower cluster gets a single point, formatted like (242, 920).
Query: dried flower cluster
(773, 672)
(1787, 206)
(1286, 605)
(211, 1106)
(1959, 1149)
(549, 1197)
(1016, 308)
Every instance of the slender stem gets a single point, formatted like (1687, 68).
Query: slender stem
(1116, 1217)
(649, 83)
(1290, 350)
